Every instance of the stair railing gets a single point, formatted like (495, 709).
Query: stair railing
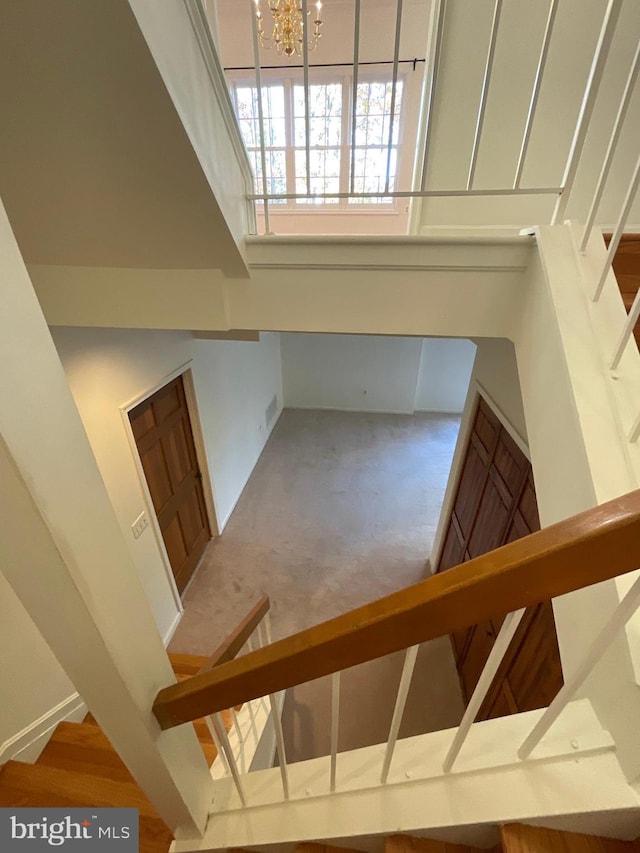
(625, 336)
(247, 633)
(588, 548)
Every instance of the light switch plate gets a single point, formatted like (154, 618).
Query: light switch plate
(140, 524)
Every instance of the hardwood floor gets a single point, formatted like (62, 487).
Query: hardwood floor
(520, 838)
(79, 767)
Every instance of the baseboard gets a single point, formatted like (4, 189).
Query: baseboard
(452, 412)
(356, 411)
(222, 523)
(172, 628)
(28, 744)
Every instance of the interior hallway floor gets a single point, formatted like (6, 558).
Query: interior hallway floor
(340, 509)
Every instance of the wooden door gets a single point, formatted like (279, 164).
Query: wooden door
(495, 503)
(163, 435)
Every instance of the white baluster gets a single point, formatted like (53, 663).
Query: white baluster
(394, 86)
(236, 725)
(354, 93)
(216, 740)
(533, 103)
(263, 155)
(484, 92)
(398, 711)
(496, 655)
(611, 150)
(265, 634)
(335, 720)
(218, 724)
(586, 109)
(613, 248)
(618, 619)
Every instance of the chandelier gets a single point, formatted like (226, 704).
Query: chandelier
(287, 35)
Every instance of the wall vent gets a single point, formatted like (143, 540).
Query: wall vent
(272, 408)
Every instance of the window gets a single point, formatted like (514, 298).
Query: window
(330, 134)
(325, 129)
(275, 136)
(372, 151)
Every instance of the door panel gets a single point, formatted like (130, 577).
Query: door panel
(495, 504)
(482, 639)
(502, 703)
(157, 475)
(471, 484)
(162, 430)
(532, 676)
(488, 531)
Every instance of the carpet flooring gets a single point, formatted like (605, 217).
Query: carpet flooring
(340, 509)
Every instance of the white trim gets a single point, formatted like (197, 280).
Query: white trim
(201, 450)
(492, 786)
(168, 635)
(504, 420)
(427, 106)
(201, 457)
(377, 267)
(408, 412)
(199, 21)
(451, 412)
(464, 433)
(309, 210)
(224, 521)
(27, 744)
(463, 236)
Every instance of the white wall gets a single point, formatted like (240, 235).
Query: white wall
(106, 369)
(445, 371)
(109, 368)
(368, 373)
(496, 372)
(580, 458)
(198, 94)
(375, 373)
(34, 683)
(235, 382)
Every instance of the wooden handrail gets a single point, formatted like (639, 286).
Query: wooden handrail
(593, 546)
(232, 644)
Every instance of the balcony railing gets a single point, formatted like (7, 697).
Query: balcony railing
(419, 187)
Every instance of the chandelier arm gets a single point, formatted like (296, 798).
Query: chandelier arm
(289, 32)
